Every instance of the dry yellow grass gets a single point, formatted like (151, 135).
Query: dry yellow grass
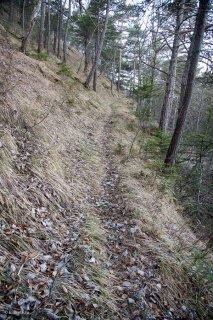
(51, 127)
(158, 216)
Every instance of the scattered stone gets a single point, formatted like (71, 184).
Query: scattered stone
(158, 285)
(131, 301)
(183, 307)
(43, 267)
(127, 284)
(119, 288)
(141, 273)
(12, 268)
(133, 275)
(133, 230)
(92, 260)
(119, 225)
(125, 253)
(140, 294)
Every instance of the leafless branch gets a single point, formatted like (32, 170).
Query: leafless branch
(154, 67)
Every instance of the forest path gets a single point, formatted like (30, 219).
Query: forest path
(136, 282)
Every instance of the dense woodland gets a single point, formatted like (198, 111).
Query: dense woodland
(158, 53)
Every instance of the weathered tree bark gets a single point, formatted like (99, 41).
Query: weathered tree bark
(102, 37)
(119, 71)
(152, 81)
(188, 79)
(87, 55)
(66, 33)
(31, 26)
(48, 27)
(23, 18)
(96, 52)
(59, 23)
(41, 30)
(11, 11)
(113, 72)
(55, 37)
(95, 69)
(139, 98)
(170, 83)
(134, 75)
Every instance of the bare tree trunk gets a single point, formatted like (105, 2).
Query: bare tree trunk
(42, 23)
(188, 80)
(11, 11)
(95, 70)
(23, 18)
(152, 83)
(170, 85)
(95, 64)
(96, 53)
(48, 27)
(119, 71)
(87, 56)
(94, 86)
(134, 75)
(113, 72)
(79, 68)
(139, 98)
(55, 36)
(66, 33)
(59, 28)
(30, 30)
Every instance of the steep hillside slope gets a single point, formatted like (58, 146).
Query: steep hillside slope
(85, 232)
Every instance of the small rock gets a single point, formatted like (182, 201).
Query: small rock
(46, 257)
(183, 308)
(43, 267)
(131, 301)
(133, 230)
(158, 285)
(119, 288)
(132, 261)
(12, 268)
(141, 273)
(33, 262)
(92, 260)
(141, 293)
(125, 253)
(30, 276)
(127, 284)
(132, 268)
(119, 225)
(87, 297)
(53, 247)
(133, 275)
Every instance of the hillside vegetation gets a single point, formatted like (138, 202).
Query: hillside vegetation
(88, 230)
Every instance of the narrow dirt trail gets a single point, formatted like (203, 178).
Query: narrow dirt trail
(138, 285)
(126, 259)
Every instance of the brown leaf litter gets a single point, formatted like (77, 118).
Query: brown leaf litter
(71, 243)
